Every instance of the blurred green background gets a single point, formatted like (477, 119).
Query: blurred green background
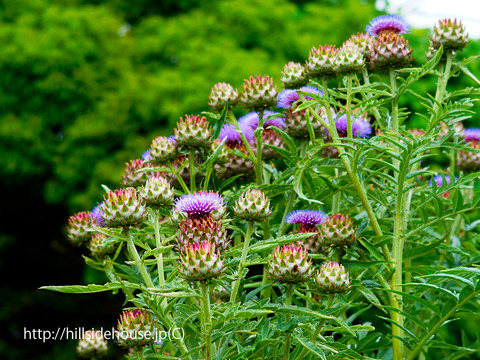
(85, 85)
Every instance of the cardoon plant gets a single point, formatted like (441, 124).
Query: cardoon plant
(316, 225)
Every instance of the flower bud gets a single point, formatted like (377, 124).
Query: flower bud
(289, 264)
(332, 278)
(252, 205)
(308, 222)
(205, 229)
(389, 52)
(193, 132)
(349, 60)
(293, 76)
(321, 62)
(92, 345)
(136, 328)
(122, 207)
(79, 227)
(200, 261)
(221, 95)
(157, 192)
(258, 93)
(100, 246)
(163, 150)
(131, 177)
(337, 230)
(450, 34)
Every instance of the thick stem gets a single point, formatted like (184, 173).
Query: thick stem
(191, 160)
(288, 209)
(288, 336)
(241, 265)
(139, 353)
(136, 257)
(206, 319)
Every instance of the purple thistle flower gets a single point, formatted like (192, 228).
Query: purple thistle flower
(472, 135)
(306, 217)
(360, 127)
(287, 97)
(439, 180)
(146, 155)
(388, 24)
(98, 214)
(251, 120)
(199, 204)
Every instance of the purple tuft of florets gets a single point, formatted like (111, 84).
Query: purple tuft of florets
(306, 217)
(388, 24)
(472, 135)
(146, 155)
(199, 204)
(360, 127)
(98, 214)
(439, 180)
(233, 137)
(251, 120)
(287, 97)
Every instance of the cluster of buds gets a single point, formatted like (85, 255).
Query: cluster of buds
(200, 262)
(122, 207)
(332, 278)
(252, 205)
(163, 150)
(131, 175)
(221, 95)
(193, 132)
(157, 192)
(289, 264)
(79, 228)
(294, 76)
(92, 345)
(136, 328)
(258, 93)
(308, 222)
(337, 230)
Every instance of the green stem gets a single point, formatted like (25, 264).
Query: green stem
(206, 319)
(368, 95)
(349, 107)
(288, 208)
(241, 265)
(265, 280)
(136, 257)
(258, 162)
(191, 160)
(179, 178)
(288, 336)
(393, 84)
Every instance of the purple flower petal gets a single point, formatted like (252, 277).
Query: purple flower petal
(199, 204)
(389, 23)
(306, 217)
